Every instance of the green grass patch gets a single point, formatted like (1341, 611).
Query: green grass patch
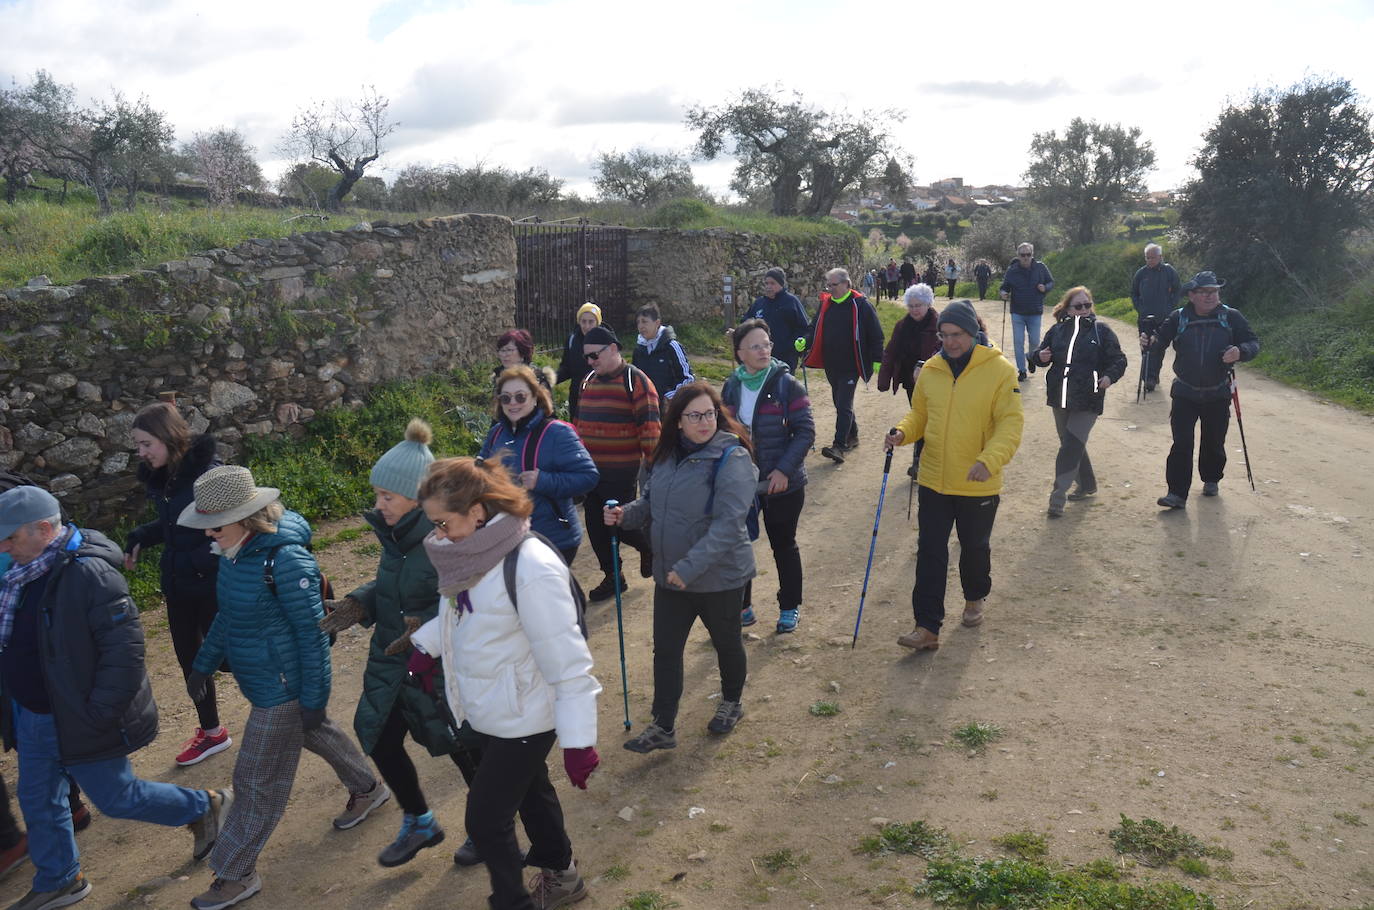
(913, 839)
(977, 735)
(779, 860)
(824, 709)
(693, 214)
(1152, 842)
(1016, 883)
(1025, 844)
(648, 900)
(616, 873)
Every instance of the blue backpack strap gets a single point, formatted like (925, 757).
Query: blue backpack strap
(715, 471)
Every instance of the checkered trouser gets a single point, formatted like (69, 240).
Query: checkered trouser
(266, 768)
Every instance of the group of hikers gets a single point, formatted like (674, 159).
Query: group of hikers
(478, 647)
(892, 280)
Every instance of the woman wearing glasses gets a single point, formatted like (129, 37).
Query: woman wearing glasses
(516, 348)
(772, 405)
(544, 455)
(696, 502)
(1084, 359)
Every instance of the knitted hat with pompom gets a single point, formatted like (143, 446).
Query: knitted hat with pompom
(402, 468)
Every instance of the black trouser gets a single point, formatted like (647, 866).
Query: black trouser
(396, 768)
(189, 615)
(675, 612)
(951, 283)
(9, 828)
(781, 512)
(1215, 417)
(938, 513)
(513, 777)
(842, 388)
(1147, 326)
(982, 288)
(569, 554)
(618, 485)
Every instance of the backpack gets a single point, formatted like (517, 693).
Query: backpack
(1220, 312)
(529, 454)
(751, 521)
(510, 563)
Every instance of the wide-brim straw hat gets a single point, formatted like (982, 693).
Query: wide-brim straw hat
(224, 495)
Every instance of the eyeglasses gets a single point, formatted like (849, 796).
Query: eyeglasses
(1081, 306)
(439, 523)
(700, 416)
(951, 336)
(517, 397)
(835, 284)
(597, 353)
(759, 348)
(508, 349)
(1025, 255)
(217, 530)
(1207, 292)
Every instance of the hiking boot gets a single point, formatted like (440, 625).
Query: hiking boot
(834, 453)
(467, 854)
(605, 590)
(787, 621)
(1055, 508)
(360, 805)
(973, 613)
(417, 833)
(747, 617)
(727, 715)
(1150, 386)
(1080, 494)
(852, 442)
(1020, 375)
(912, 471)
(14, 857)
(920, 639)
(201, 746)
(646, 563)
(550, 888)
(1210, 489)
(65, 896)
(225, 893)
(653, 737)
(1172, 501)
(206, 828)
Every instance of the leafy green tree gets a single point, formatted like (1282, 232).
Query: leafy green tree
(805, 157)
(454, 188)
(1283, 178)
(1083, 175)
(309, 182)
(645, 178)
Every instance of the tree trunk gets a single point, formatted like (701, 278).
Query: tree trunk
(786, 189)
(347, 178)
(102, 195)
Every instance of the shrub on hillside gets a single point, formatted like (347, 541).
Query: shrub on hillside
(680, 213)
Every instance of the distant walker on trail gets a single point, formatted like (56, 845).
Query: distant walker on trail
(1154, 294)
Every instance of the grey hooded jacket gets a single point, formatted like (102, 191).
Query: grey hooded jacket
(709, 550)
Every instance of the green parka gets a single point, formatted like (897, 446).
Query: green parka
(406, 585)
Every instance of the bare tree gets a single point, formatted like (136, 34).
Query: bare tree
(344, 135)
(224, 160)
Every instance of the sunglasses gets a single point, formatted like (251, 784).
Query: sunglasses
(217, 530)
(516, 397)
(1081, 306)
(595, 354)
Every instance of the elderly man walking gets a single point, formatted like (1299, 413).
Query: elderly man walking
(1208, 338)
(1025, 283)
(967, 407)
(1154, 294)
(74, 695)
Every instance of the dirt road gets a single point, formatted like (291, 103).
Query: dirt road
(1210, 668)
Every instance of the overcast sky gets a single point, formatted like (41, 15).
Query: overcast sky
(551, 83)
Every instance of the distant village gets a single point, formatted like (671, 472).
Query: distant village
(951, 195)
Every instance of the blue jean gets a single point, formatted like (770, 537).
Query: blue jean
(1031, 325)
(110, 784)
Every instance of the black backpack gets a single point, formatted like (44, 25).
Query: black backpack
(509, 566)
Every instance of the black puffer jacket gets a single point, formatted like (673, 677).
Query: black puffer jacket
(188, 566)
(1096, 353)
(91, 640)
(1199, 342)
(783, 428)
(573, 369)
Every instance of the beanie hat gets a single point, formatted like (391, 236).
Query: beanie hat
(961, 314)
(592, 308)
(402, 468)
(777, 275)
(601, 335)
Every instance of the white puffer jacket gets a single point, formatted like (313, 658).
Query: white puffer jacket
(516, 673)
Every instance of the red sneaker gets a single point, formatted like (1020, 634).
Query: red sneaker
(10, 859)
(202, 746)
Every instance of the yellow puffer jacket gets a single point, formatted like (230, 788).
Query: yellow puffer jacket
(975, 418)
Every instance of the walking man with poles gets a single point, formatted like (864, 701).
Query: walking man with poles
(1024, 284)
(972, 429)
(1208, 337)
(1154, 294)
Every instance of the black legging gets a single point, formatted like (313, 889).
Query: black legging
(781, 513)
(675, 612)
(189, 615)
(396, 768)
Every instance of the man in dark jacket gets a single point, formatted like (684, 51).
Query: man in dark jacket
(982, 272)
(908, 273)
(1208, 338)
(1025, 283)
(659, 354)
(784, 313)
(1154, 294)
(74, 696)
(847, 341)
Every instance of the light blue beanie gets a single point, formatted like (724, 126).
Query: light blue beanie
(402, 468)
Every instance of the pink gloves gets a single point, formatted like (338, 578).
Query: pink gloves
(580, 763)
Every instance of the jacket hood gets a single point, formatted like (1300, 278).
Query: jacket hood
(95, 545)
(197, 459)
(291, 528)
(665, 334)
(981, 354)
(716, 446)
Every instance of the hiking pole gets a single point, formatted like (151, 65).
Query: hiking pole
(1144, 371)
(1004, 325)
(1240, 425)
(872, 545)
(619, 617)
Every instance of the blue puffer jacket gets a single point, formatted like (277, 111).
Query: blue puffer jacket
(783, 429)
(1026, 298)
(273, 643)
(565, 470)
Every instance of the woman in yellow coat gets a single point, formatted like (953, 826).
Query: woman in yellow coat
(967, 407)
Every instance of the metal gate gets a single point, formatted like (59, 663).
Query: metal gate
(559, 267)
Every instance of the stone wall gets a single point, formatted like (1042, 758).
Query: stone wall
(249, 341)
(681, 271)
